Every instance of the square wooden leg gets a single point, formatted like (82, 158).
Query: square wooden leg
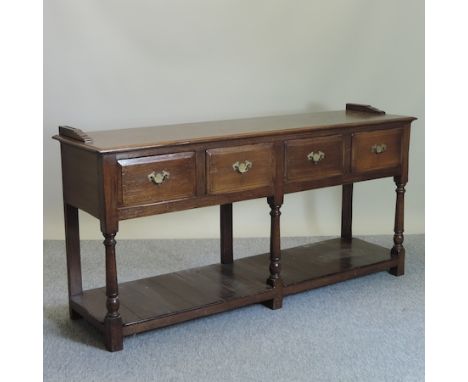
(399, 270)
(72, 247)
(276, 303)
(227, 256)
(113, 335)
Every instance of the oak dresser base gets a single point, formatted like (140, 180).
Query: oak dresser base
(124, 174)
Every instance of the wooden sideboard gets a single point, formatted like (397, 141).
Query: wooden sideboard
(123, 174)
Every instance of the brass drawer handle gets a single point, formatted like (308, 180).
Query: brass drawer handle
(316, 156)
(379, 149)
(158, 177)
(242, 167)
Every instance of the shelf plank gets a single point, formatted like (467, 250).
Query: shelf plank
(315, 265)
(167, 299)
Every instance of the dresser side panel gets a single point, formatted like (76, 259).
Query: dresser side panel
(80, 179)
(405, 147)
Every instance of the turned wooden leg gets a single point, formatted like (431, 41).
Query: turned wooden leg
(398, 251)
(347, 212)
(275, 255)
(72, 245)
(226, 233)
(113, 321)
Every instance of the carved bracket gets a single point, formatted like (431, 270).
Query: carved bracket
(363, 108)
(74, 133)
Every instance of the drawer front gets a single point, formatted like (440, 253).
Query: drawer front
(376, 150)
(314, 158)
(158, 178)
(240, 168)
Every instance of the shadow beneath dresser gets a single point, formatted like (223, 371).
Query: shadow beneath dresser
(56, 319)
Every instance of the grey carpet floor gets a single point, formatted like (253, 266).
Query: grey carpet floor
(366, 329)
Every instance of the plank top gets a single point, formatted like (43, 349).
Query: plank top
(212, 131)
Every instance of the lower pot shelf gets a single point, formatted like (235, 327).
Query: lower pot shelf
(175, 297)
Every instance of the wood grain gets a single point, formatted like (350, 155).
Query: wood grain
(80, 179)
(74, 133)
(167, 299)
(398, 251)
(109, 179)
(300, 168)
(363, 108)
(347, 212)
(221, 177)
(72, 248)
(138, 189)
(363, 159)
(214, 131)
(226, 243)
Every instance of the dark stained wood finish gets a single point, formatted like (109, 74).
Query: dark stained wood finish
(221, 177)
(333, 261)
(274, 279)
(398, 251)
(131, 212)
(113, 320)
(336, 181)
(299, 167)
(363, 108)
(363, 159)
(275, 202)
(80, 179)
(403, 175)
(72, 246)
(201, 172)
(175, 297)
(218, 131)
(347, 212)
(108, 178)
(138, 189)
(226, 233)
(348, 142)
(74, 133)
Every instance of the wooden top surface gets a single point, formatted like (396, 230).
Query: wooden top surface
(169, 135)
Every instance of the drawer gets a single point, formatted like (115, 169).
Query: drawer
(376, 150)
(314, 158)
(240, 168)
(158, 178)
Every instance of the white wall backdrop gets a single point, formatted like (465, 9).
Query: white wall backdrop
(116, 64)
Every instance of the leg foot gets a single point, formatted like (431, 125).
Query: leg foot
(113, 336)
(276, 303)
(399, 270)
(74, 315)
